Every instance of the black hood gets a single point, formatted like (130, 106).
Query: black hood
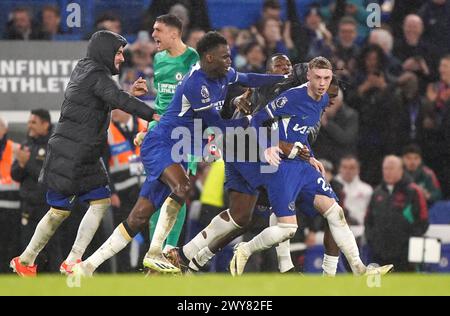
(103, 47)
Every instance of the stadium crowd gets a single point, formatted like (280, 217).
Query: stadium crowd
(385, 142)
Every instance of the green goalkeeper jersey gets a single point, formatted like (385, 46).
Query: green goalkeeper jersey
(168, 73)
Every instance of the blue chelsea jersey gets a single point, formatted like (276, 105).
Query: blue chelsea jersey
(297, 113)
(195, 93)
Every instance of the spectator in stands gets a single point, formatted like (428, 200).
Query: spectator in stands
(25, 170)
(140, 64)
(400, 10)
(397, 211)
(436, 18)
(346, 50)
(438, 97)
(243, 38)
(413, 51)
(357, 192)
(271, 36)
(181, 12)
(197, 12)
(193, 37)
(372, 99)
(297, 32)
(320, 38)
(339, 133)
(51, 21)
(384, 39)
(423, 176)
(352, 8)
(271, 9)
(9, 200)
(21, 27)
(231, 34)
(408, 115)
(108, 21)
(254, 55)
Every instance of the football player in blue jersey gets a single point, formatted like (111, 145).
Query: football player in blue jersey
(200, 95)
(298, 110)
(199, 260)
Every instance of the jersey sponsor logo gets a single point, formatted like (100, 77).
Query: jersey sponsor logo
(167, 88)
(178, 76)
(301, 129)
(218, 105)
(273, 105)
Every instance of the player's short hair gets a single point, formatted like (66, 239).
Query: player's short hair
(320, 63)
(271, 59)
(43, 114)
(171, 20)
(412, 149)
(210, 41)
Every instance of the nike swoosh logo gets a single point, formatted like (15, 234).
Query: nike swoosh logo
(304, 117)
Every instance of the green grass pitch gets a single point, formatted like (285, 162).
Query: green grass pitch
(225, 285)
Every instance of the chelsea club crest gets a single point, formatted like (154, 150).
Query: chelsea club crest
(204, 92)
(281, 102)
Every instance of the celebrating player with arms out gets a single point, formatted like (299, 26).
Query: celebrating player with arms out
(199, 96)
(299, 109)
(172, 62)
(244, 178)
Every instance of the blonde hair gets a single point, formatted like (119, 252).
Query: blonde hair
(320, 63)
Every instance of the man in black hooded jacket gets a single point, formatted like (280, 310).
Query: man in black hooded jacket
(73, 169)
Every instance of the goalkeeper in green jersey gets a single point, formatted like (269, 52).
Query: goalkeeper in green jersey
(171, 63)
